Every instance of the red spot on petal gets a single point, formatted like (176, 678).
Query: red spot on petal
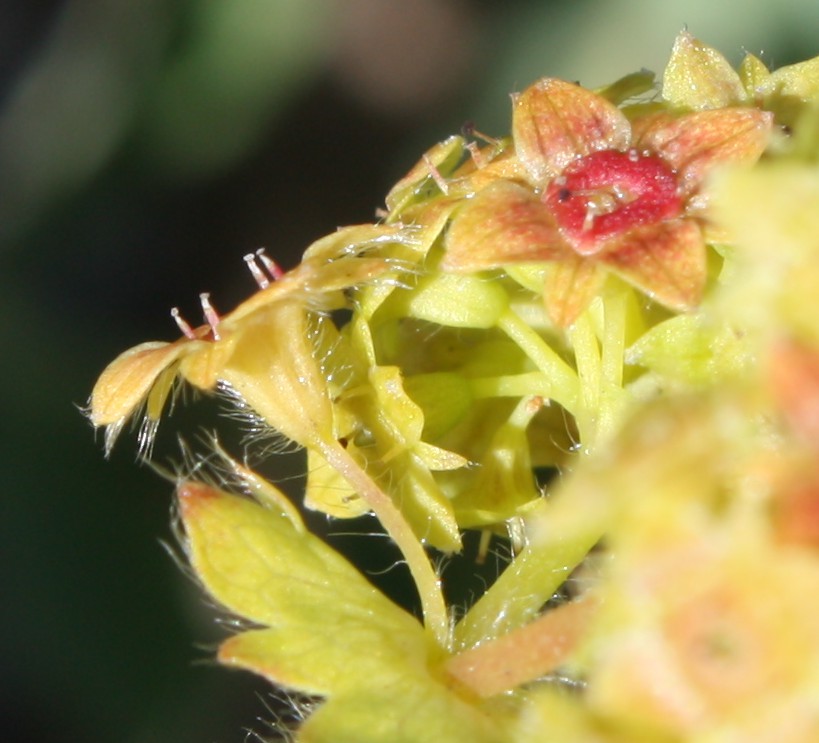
(604, 194)
(192, 495)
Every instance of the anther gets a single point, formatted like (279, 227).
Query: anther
(469, 130)
(257, 273)
(436, 176)
(211, 316)
(272, 267)
(186, 329)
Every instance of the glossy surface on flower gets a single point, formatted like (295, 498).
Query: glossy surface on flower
(604, 194)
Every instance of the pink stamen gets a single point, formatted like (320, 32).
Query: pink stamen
(272, 267)
(257, 273)
(186, 329)
(211, 316)
(469, 130)
(436, 176)
(263, 279)
(477, 156)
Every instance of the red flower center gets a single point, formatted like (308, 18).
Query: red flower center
(607, 193)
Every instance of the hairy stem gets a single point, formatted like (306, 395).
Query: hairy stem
(426, 580)
(525, 653)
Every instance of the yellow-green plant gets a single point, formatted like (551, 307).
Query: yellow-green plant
(621, 293)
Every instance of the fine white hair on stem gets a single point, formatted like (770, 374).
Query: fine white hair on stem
(256, 431)
(287, 711)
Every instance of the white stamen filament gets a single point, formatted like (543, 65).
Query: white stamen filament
(258, 275)
(211, 316)
(477, 156)
(186, 329)
(436, 176)
(270, 265)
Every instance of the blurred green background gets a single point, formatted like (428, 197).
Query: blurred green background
(144, 148)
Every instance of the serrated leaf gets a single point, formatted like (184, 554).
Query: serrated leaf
(328, 628)
(330, 632)
(252, 558)
(403, 709)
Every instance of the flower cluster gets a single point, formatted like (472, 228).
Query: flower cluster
(592, 341)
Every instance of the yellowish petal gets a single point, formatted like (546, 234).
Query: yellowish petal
(471, 177)
(442, 157)
(799, 80)
(327, 490)
(699, 77)
(456, 300)
(126, 381)
(630, 86)
(274, 370)
(317, 282)
(203, 367)
(754, 75)
(554, 122)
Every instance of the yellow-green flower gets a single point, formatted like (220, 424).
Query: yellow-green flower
(259, 331)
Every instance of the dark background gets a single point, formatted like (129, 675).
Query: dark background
(144, 148)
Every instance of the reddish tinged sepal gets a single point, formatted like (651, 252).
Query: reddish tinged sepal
(554, 122)
(569, 288)
(504, 223)
(666, 260)
(693, 145)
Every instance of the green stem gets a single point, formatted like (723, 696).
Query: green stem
(560, 534)
(511, 385)
(614, 337)
(587, 359)
(562, 378)
(600, 369)
(426, 580)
